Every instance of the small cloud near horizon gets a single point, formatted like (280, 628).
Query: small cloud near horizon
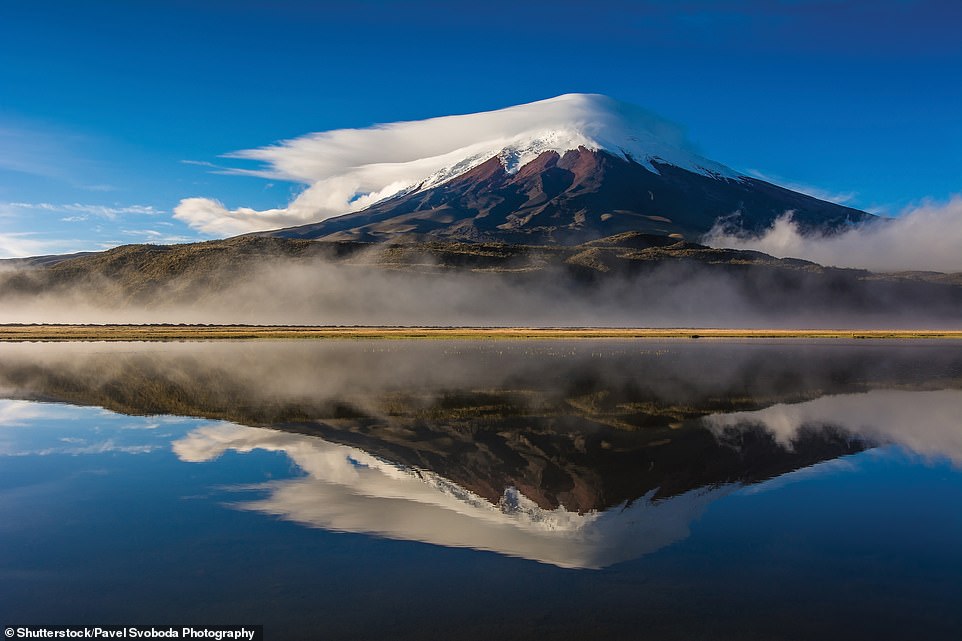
(26, 244)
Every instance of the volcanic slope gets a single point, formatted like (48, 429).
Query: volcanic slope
(562, 171)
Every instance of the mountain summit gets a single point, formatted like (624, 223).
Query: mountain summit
(518, 135)
(560, 171)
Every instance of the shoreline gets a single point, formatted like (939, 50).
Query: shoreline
(54, 333)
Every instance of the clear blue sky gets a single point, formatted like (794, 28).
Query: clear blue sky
(101, 102)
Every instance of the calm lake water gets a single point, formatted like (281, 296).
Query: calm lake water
(688, 489)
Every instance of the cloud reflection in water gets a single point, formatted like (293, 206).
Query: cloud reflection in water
(347, 490)
(928, 423)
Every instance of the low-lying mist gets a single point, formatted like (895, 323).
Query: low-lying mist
(288, 291)
(926, 238)
(312, 377)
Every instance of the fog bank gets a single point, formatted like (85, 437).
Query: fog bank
(318, 292)
(926, 238)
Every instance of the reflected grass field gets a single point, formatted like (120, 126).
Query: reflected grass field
(41, 332)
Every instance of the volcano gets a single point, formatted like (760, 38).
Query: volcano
(566, 171)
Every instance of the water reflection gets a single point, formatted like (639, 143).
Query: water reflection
(578, 454)
(29, 428)
(928, 423)
(346, 489)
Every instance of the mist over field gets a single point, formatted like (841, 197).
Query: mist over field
(294, 291)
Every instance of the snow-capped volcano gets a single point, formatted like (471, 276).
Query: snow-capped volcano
(349, 169)
(566, 169)
(573, 121)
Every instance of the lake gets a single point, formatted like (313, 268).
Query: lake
(501, 489)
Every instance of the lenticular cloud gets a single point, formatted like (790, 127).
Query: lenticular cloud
(349, 169)
(925, 238)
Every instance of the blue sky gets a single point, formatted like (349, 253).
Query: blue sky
(101, 103)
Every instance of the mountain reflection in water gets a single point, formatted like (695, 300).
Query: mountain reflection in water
(346, 489)
(574, 453)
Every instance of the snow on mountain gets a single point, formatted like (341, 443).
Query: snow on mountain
(351, 169)
(345, 489)
(567, 122)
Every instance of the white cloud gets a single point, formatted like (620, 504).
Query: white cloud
(22, 244)
(17, 413)
(927, 238)
(212, 217)
(29, 428)
(18, 244)
(155, 236)
(110, 212)
(349, 169)
(201, 163)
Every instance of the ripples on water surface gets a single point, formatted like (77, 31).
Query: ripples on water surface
(440, 489)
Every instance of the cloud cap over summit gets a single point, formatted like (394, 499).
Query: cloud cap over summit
(350, 169)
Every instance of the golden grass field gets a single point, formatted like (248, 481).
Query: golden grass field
(10, 333)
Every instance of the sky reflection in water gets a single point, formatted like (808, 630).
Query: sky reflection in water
(833, 469)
